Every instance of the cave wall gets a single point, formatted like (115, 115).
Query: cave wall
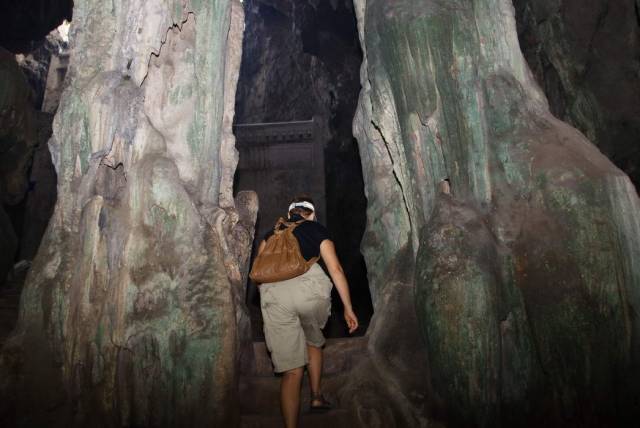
(300, 59)
(586, 57)
(27, 176)
(35, 65)
(22, 134)
(132, 313)
(17, 139)
(509, 301)
(520, 278)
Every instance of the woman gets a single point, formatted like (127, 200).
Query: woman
(294, 311)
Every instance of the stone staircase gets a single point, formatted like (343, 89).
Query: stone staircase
(10, 299)
(259, 388)
(9, 306)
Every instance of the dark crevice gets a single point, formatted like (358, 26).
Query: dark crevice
(177, 26)
(103, 162)
(395, 174)
(600, 22)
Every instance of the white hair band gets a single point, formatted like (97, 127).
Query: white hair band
(303, 204)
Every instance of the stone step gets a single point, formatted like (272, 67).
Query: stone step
(340, 355)
(10, 303)
(9, 300)
(9, 314)
(9, 310)
(260, 388)
(261, 394)
(10, 295)
(9, 307)
(337, 418)
(7, 325)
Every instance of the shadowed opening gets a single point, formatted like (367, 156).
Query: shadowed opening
(295, 102)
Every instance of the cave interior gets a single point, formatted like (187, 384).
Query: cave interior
(476, 164)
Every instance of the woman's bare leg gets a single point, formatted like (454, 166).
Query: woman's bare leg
(290, 396)
(314, 368)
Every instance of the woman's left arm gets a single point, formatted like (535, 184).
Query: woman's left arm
(328, 253)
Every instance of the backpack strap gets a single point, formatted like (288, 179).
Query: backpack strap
(312, 260)
(292, 226)
(288, 225)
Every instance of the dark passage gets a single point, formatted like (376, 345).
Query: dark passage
(33, 63)
(300, 78)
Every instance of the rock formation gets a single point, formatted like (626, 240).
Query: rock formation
(18, 141)
(506, 299)
(584, 55)
(27, 176)
(35, 65)
(524, 277)
(130, 315)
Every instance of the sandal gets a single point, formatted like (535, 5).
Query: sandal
(322, 407)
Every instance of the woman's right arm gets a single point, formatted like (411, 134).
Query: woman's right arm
(328, 253)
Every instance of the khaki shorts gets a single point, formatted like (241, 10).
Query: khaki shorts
(293, 312)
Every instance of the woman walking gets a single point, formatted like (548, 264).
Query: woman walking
(295, 310)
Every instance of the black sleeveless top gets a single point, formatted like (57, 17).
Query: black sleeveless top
(309, 234)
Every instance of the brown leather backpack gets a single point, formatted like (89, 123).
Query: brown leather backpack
(281, 258)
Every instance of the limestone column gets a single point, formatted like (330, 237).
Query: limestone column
(130, 315)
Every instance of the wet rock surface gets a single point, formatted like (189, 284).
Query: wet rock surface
(525, 272)
(130, 314)
(509, 300)
(584, 55)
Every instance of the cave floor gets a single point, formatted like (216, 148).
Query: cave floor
(9, 308)
(259, 388)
